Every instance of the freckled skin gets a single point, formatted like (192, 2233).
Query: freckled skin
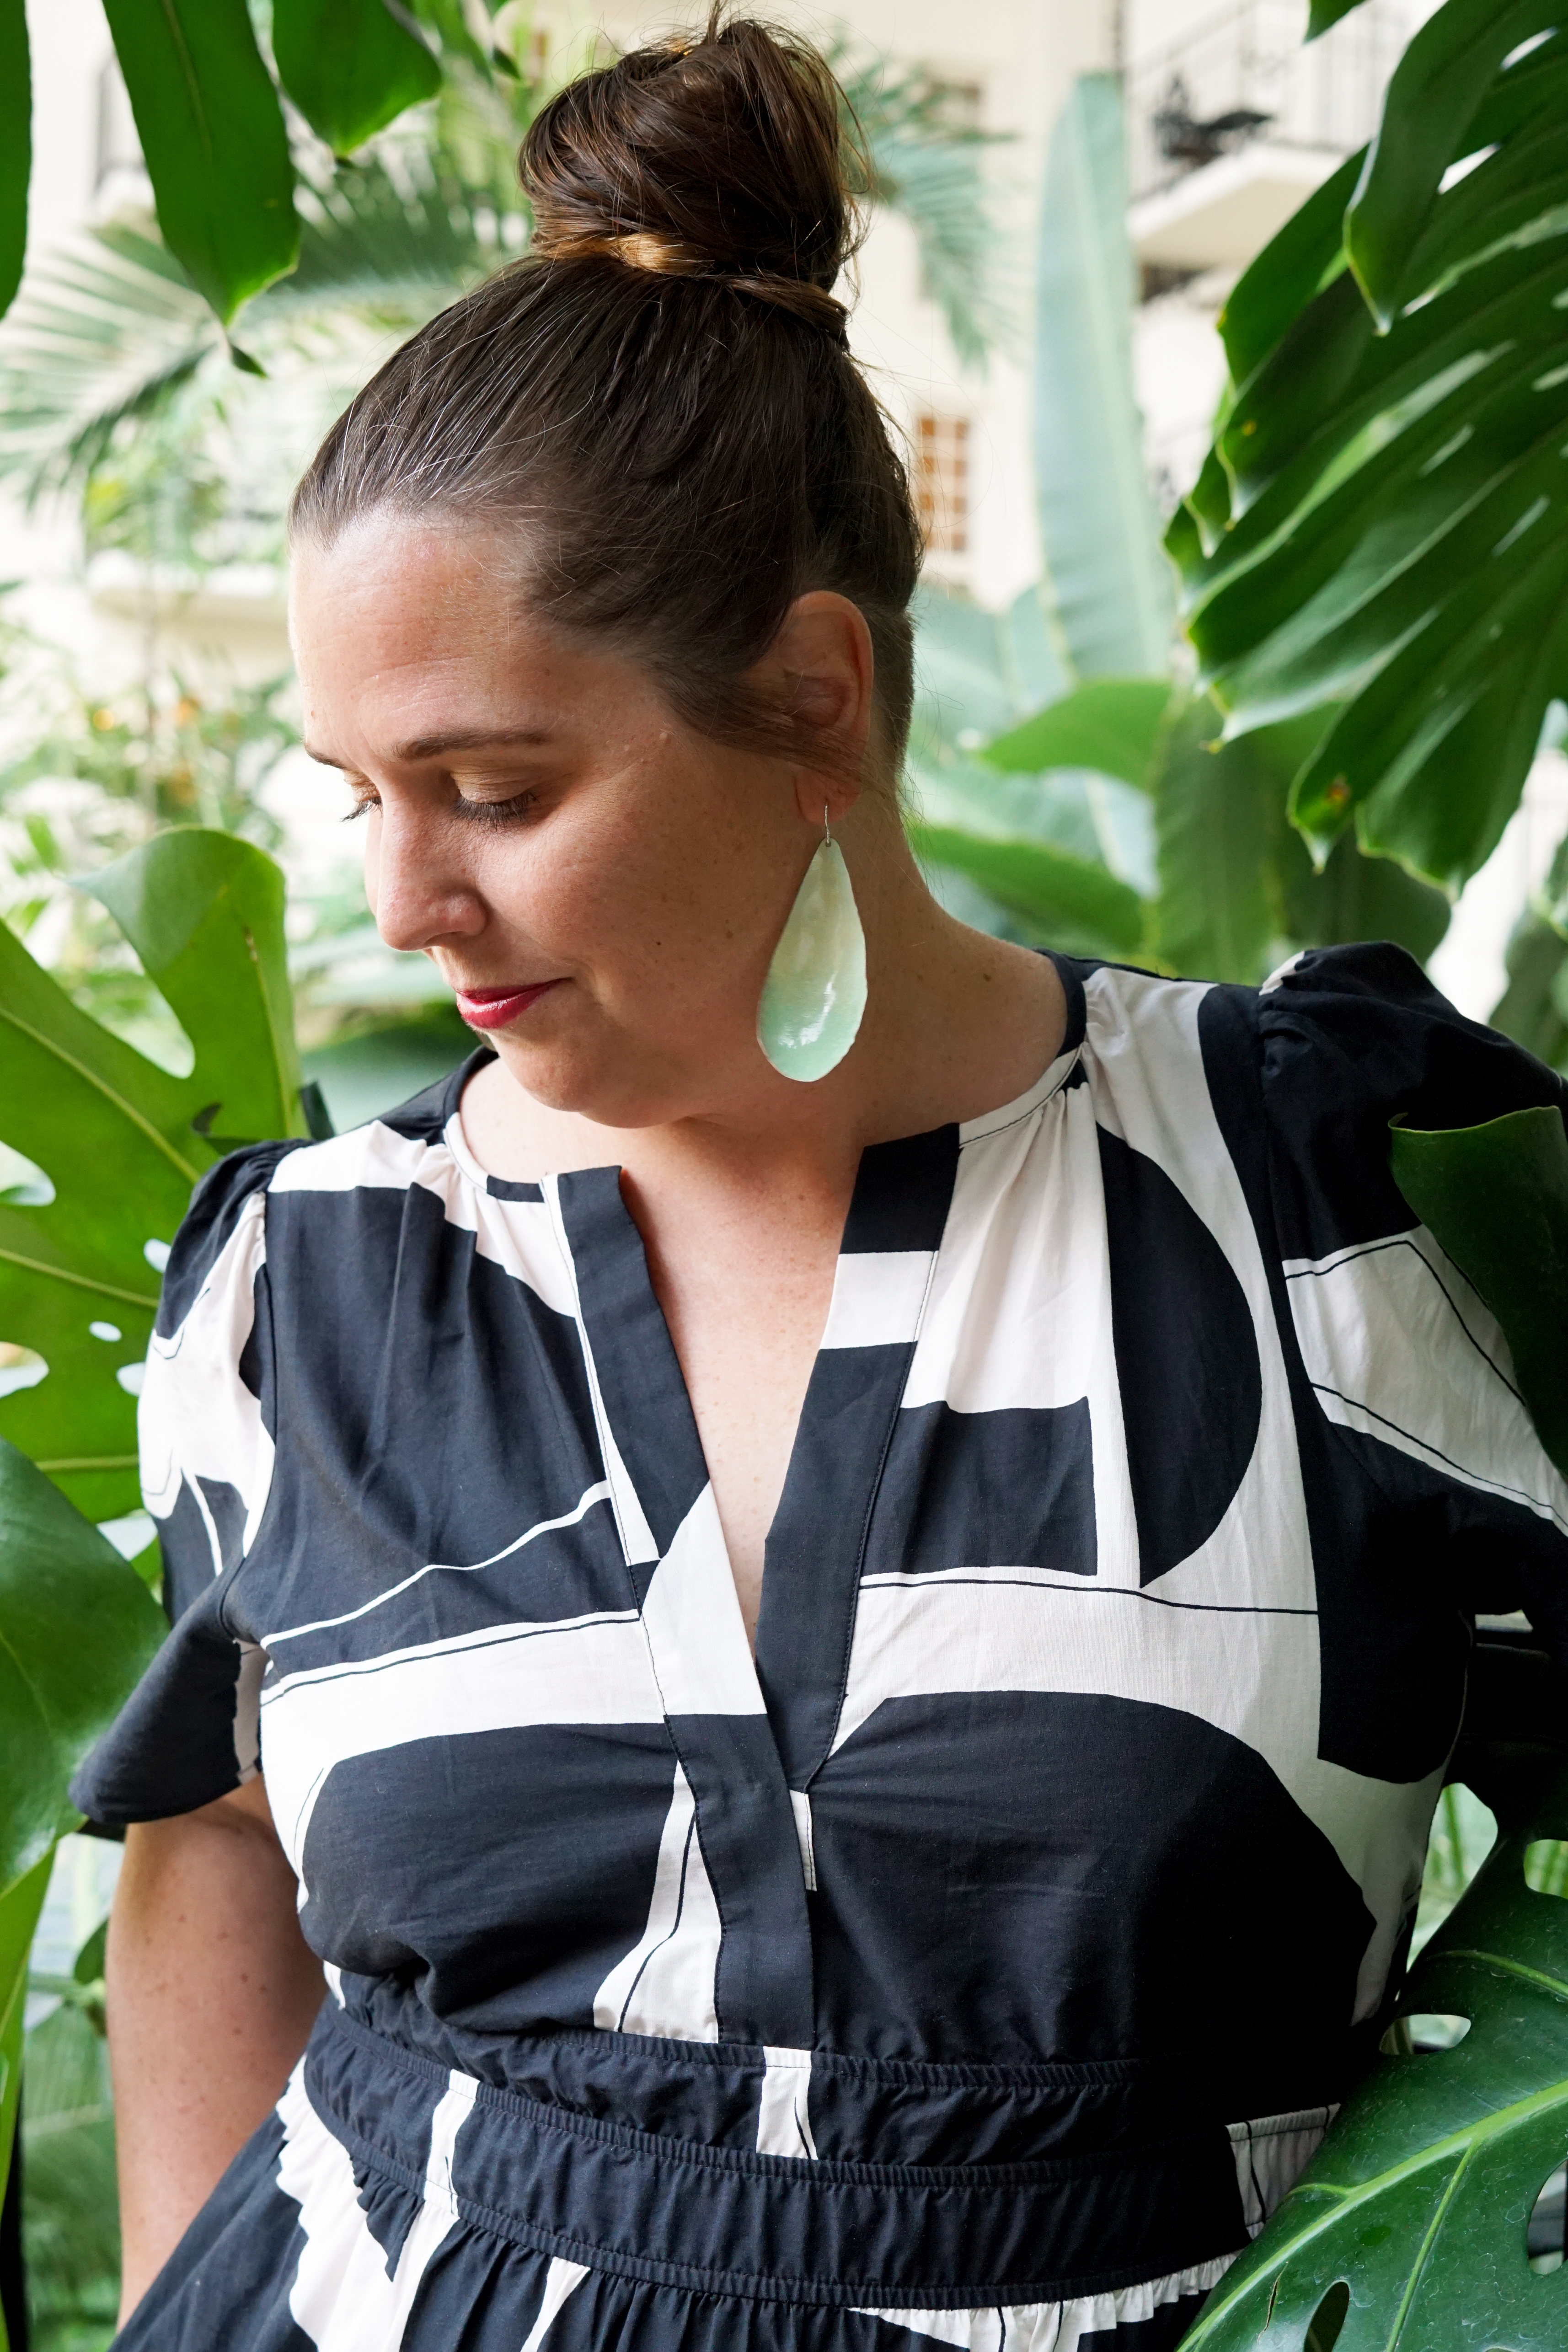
(536, 811)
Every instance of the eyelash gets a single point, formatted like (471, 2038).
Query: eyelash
(496, 812)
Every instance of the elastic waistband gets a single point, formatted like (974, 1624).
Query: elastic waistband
(720, 2220)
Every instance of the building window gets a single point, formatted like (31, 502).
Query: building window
(942, 482)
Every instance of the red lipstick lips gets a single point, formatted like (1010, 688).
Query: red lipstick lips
(493, 1008)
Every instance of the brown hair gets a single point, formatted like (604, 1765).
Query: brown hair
(662, 390)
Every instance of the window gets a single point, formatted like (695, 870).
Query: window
(942, 482)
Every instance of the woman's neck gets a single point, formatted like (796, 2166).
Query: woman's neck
(956, 1023)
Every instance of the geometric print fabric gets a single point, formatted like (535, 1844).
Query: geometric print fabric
(1113, 1627)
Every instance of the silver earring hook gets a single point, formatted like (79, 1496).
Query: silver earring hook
(827, 831)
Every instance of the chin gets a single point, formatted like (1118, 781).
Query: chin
(611, 1086)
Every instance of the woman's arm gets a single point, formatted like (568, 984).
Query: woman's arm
(212, 1992)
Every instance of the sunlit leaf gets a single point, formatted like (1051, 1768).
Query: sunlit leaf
(349, 67)
(213, 136)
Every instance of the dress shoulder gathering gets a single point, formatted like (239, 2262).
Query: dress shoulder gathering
(980, 1966)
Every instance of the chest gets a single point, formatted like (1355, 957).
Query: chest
(745, 1290)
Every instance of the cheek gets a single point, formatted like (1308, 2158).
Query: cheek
(644, 873)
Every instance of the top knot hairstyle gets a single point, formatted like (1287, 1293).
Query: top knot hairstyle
(661, 393)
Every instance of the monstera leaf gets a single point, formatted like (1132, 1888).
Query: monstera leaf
(122, 1142)
(1410, 2228)
(1382, 524)
(77, 1627)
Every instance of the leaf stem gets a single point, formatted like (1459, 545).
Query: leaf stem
(81, 1281)
(107, 1092)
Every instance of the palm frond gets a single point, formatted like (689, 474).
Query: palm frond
(109, 329)
(927, 162)
(400, 233)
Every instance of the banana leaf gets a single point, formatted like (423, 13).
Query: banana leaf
(1108, 588)
(1080, 907)
(1110, 724)
(121, 1141)
(1381, 524)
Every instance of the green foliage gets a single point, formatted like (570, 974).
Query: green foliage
(205, 914)
(116, 385)
(19, 1908)
(1529, 1010)
(1497, 1198)
(69, 2220)
(1381, 523)
(16, 143)
(212, 131)
(1083, 907)
(349, 67)
(1107, 583)
(1417, 2204)
(60, 1683)
(1112, 724)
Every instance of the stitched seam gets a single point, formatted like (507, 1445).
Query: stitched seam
(827, 2173)
(757, 2286)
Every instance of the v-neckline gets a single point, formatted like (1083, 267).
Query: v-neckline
(898, 1207)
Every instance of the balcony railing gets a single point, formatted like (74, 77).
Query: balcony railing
(1243, 73)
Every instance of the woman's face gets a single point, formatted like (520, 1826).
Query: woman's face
(600, 885)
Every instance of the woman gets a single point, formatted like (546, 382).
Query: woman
(855, 1635)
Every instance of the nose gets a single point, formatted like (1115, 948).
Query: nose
(417, 893)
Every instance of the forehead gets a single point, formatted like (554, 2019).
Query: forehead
(391, 584)
(404, 629)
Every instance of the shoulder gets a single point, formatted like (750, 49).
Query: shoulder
(227, 1211)
(1350, 1039)
(213, 1224)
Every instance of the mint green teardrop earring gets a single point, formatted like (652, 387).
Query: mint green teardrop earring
(814, 995)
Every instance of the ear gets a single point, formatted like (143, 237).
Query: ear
(820, 674)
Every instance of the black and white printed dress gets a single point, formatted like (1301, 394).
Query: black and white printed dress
(978, 1967)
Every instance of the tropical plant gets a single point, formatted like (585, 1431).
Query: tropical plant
(116, 381)
(204, 912)
(1114, 821)
(209, 112)
(1379, 530)
(1379, 533)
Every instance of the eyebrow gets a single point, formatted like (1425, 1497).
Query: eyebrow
(435, 747)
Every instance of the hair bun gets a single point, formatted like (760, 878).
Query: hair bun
(725, 156)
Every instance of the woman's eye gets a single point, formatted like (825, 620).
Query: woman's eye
(496, 811)
(362, 807)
